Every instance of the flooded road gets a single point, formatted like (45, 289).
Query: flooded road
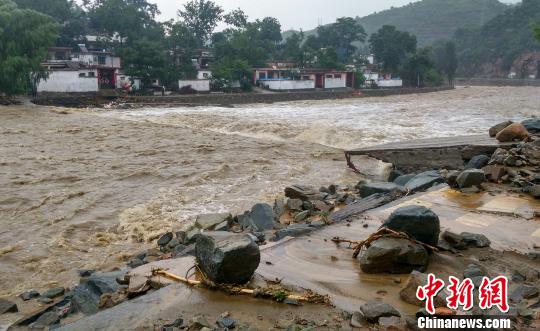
(87, 189)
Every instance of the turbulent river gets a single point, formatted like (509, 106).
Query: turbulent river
(88, 189)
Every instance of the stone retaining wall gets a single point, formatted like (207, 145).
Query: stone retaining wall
(496, 82)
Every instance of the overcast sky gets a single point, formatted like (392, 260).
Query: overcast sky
(296, 14)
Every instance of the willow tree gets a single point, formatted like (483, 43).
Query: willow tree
(25, 36)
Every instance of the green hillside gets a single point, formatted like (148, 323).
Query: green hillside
(492, 49)
(430, 20)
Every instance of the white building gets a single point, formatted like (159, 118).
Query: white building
(70, 80)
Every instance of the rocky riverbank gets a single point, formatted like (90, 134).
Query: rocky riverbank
(233, 249)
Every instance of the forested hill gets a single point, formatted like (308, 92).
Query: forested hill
(503, 44)
(430, 20)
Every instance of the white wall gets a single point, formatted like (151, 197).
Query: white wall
(390, 83)
(335, 82)
(284, 85)
(199, 85)
(69, 81)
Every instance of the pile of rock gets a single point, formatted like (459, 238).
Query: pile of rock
(398, 255)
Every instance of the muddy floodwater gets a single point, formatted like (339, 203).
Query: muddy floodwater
(89, 188)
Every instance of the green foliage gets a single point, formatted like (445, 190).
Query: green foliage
(360, 79)
(446, 59)
(144, 59)
(236, 18)
(499, 42)
(292, 50)
(536, 29)
(25, 36)
(127, 19)
(226, 72)
(391, 47)
(72, 19)
(419, 69)
(202, 17)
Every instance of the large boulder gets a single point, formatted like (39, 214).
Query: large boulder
(227, 258)
(260, 218)
(424, 180)
(515, 131)
(373, 310)
(494, 172)
(498, 128)
(477, 162)
(7, 306)
(293, 230)
(209, 221)
(403, 180)
(393, 255)
(532, 125)
(470, 178)
(374, 188)
(418, 222)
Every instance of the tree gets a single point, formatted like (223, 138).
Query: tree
(25, 36)
(180, 44)
(391, 47)
(340, 35)
(446, 59)
(202, 17)
(292, 50)
(236, 18)
(71, 17)
(270, 29)
(127, 19)
(536, 29)
(228, 71)
(419, 69)
(144, 59)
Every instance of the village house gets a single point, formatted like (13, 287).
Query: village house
(284, 77)
(201, 59)
(82, 71)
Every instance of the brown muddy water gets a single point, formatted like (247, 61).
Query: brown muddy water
(87, 189)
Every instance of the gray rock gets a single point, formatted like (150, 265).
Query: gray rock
(471, 177)
(227, 258)
(181, 236)
(135, 263)
(358, 321)
(303, 192)
(292, 230)
(408, 293)
(317, 224)
(451, 178)
(45, 300)
(209, 221)
(393, 255)
(394, 174)
(403, 180)
(198, 322)
(173, 243)
(260, 218)
(45, 320)
(295, 204)
(475, 239)
(164, 239)
(523, 291)
(86, 272)
(532, 125)
(477, 162)
(472, 271)
(498, 128)
(101, 283)
(417, 221)
(7, 306)
(226, 322)
(29, 295)
(54, 292)
(279, 208)
(373, 188)
(455, 240)
(222, 226)
(373, 310)
(192, 235)
(84, 300)
(424, 181)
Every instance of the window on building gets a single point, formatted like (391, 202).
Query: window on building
(329, 76)
(205, 75)
(91, 74)
(82, 74)
(262, 75)
(305, 77)
(102, 60)
(337, 76)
